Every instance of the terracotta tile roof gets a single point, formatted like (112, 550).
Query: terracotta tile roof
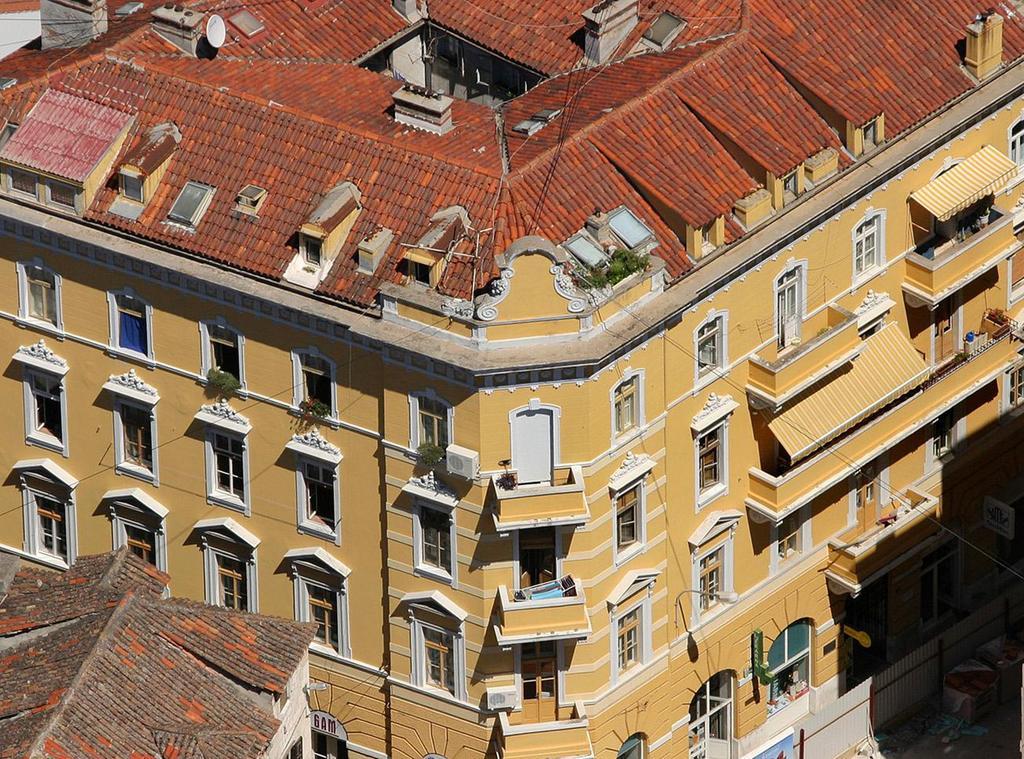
(65, 135)
(18, 6)
(120, 671)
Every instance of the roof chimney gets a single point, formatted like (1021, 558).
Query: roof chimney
(984, 44)
(179, 26)
(372, 250)
(424, 109)
(69, 23)
(408, 9)
(607, 25)
(599, 227)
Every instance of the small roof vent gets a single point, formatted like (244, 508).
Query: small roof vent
(250, 198)
(128, 8)
(7, 81)
(537, 121)
(424, 109)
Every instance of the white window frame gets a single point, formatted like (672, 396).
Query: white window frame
(9, 177)
(126, 512)
(1008, 406)
(48, 193)
(34, 436)
(620, 611)
(728, 547)
(310, 526)
(804, 539)
(801, 297)
(414, 416)
(703, 498)
(232, 549)
(957, 432)
(24, 299)
(114, 324)
(298, 381)
(216, 496)
(640, 544)
(305, 574)
(419, 656)
(1015, 143)
(640, 416)
(122, 466)
(420, 566)
(32, 484)
(701, 378)
(206, 349)
(859, 236)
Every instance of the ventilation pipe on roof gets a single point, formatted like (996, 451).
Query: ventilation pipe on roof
(424, 109)
(179, 26)
(599, 227)
(607, 24)
(984, 44)
(372, 249)
(69, 23)
(408, 9)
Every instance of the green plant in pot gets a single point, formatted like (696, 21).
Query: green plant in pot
(313, 408)
(430, 454)
(226, 382)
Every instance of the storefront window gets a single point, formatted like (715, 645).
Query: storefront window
(789, 661)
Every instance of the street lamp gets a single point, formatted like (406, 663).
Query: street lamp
(726, 597)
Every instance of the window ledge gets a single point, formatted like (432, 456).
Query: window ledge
(319, 531)
(709, 376)
(127, 353)
(50, 561)
(622, 677)
(710, 495)
(228, 502)
(138, 472)
(48, 327)
(331, 421)
(48, 442)
(433, 573)
(630, 553)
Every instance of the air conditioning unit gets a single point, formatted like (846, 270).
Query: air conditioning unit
(462, 462)
(501, 699)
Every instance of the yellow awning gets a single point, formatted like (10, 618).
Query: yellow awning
(983, 173)
(888, 366)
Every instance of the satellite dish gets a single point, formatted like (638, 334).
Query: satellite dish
(216, 31)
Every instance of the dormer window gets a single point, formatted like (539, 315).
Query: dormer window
(250, 198)
(870, 135)
(60, 194)
(312, 250)
(131, 185)
(419, 271)
(23, 181)
(790, 186)
(191, 204)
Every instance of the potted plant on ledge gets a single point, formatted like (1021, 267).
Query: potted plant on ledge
(430, 455)
(314, 409)
(225, 382)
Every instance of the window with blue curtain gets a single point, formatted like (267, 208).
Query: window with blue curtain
(131, 325)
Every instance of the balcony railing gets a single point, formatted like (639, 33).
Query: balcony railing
(862, 552)
(562, 738)
(938, 268)
(776, 376)
(563, 502)
(772, 496)
(554, 610)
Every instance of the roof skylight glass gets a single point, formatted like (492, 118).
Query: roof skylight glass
(537, 121)
(663, 30)
(247, 23)
(629, 228)
(191, 204)
(586, 250)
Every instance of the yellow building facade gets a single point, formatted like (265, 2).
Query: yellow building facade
(555, 520)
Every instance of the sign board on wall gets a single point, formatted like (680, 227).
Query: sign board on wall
(784, 748)
(327, 723)
(998, 517)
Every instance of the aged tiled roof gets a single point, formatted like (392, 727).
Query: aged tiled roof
(94, 662)
(745, 87)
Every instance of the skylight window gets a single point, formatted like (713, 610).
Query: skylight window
(537, 121)
(628, 228)
(247, 23)
(586, 250)
(250, 198)
(191, 204)
(663, 30)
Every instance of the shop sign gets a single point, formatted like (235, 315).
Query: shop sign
(327, 723)
(783, 749)
(998, 517)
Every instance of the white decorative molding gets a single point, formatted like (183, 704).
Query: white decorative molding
(499, 289)
(457, 307)
(873, 307)
(313, 444)
(220, 414)
(39, 356)
(715, 409)
(631, 469)
(132, 386)
(429, 487)
(566, 287)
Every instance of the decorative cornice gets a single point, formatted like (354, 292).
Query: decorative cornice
(429, 481)
(716, 407)
(871, 300)
(630, 462)
(632, 468)
(313, 439)
(457, 307)
(222, 410)
(39, 352)
(131, 381)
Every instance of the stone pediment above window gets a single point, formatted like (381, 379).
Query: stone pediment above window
(631, 469)
(319, 559)
(131, 385)
(316, 446)
(714, 525)
(220, 414)
(38, 356)
(138, 499)
(430, 488)
(716, 408)
(436, 601)
(48, 470)
(228, 528)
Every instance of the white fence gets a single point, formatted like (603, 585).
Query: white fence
(839, 727)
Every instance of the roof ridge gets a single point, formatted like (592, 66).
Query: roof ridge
(89, 662)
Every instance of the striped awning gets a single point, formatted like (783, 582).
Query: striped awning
(984, 173)
(888, 366)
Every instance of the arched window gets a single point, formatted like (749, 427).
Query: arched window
(711, 717)
(1017, 143)
(789, 661)
(635, 747)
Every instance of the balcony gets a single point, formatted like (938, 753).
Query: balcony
(563, 739)
(555, 610)
(773, 496)
(942, 265)
(859, 555)
(520, 507)
(776, 376)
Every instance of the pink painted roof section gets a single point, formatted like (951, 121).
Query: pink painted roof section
(65, 135)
